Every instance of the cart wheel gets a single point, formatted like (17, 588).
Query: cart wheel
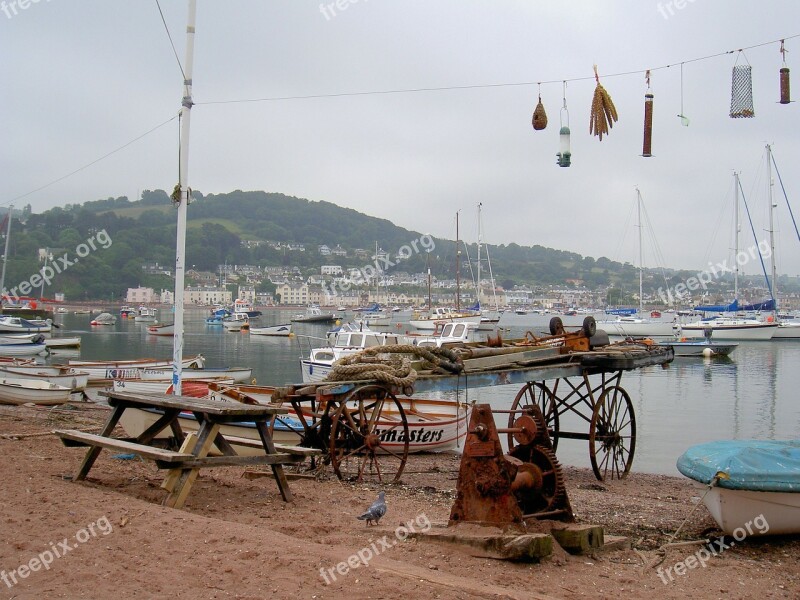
(536, 393)
(612, 434)
(369, 436)
(589, 326)
(556, 326)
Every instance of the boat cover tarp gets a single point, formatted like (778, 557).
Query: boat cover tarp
(766, 305)
(763, 466)
(732, 307)
(621, 311)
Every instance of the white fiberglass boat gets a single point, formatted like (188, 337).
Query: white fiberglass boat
(24, 391)
(728, 329)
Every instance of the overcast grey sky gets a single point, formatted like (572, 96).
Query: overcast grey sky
(83, 77)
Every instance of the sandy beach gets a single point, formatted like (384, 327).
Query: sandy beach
(236, 538)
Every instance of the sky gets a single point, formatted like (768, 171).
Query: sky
(81, 78)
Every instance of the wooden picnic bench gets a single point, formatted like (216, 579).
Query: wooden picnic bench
(184, 465)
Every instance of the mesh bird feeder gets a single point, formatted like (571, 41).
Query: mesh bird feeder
(785, 95)
(647, 144)
(539, 115)
(564, 154)
(742, 92)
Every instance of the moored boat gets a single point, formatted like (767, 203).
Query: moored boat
(129, 369)
(238, 374)
(63, 342)
(20, 325)
(22, 349)
(104, 319)
(284, 330)
(753, 485)
(168, 329)
(730, 329)
(24, 391)
(314, 314)
(444, 314)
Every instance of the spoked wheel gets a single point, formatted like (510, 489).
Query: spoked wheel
(612, 434)
(314, 434)
(369, 436)
(536, 393)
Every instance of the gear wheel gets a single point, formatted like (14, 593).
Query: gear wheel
(550, 490)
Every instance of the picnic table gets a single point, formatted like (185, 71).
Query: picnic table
(184, 464)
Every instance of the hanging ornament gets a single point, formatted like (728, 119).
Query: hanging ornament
(564, 155)
(684, 119)
(603, 112)
(647, 145)
(785, 95)
(742, 90)
(539, 116)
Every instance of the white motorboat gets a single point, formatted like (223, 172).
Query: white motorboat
(64, 376)
(284, 330)
(146, 315)
(236, 322)
(314, 314)
(445, 315)
(166, 330)
(23, 349)
(20, 325)
(445, 334)
(348, 340)
(24, 391)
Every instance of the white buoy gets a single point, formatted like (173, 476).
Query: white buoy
(708, 352)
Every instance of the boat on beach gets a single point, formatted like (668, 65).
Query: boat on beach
(433, 425)
(25, 391)
(129, 369)
(752, 485)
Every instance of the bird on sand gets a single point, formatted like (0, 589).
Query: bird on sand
(374, 513)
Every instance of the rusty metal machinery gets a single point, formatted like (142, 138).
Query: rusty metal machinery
(502, 489)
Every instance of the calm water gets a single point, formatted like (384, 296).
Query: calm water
(691, 401)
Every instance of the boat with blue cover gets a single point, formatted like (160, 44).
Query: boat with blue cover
(748, 480)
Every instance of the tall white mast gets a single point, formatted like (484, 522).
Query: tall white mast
(478, 286)
(641, 260)
(772, 228)
(5, 259)
(736, 238)
(183, 200)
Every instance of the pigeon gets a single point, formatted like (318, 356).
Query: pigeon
(374, 513)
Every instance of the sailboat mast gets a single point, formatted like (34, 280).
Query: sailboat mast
(641, 260)
(770, 183)
(478, 284)
(183, 201)
(736, 237)
(5, 259)
(458, 268)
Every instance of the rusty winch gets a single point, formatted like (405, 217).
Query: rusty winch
(497, 488)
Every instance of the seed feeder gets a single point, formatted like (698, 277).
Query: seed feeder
(539, 120)
(785, 95)
(564, 155)
(647, 144)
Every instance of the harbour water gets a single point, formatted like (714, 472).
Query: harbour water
(689, 402)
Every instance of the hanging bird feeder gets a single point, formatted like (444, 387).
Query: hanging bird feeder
(785, 95)
(564, 155)
(603, 113)
(684, 119)
(742, 91)
(539, 115)
(647, 144)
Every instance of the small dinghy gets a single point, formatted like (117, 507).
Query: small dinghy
(23, 391)
(752, 483)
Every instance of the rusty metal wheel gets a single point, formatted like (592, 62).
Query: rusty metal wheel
(556, 326)
(612, 434)
(538, 394)
(369, 436)
(543, 468)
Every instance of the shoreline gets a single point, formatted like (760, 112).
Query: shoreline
(236, 538)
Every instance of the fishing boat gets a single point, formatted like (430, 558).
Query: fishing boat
(165, 330)
(245, 307)
(104, 319)
(433, 425)
(146, 315)
(753, 486)
(25, 391)
(284, 330)
(345, 341)
(100, 371)
(20, 325)
(67, 377)
(63, 342)
(127, 311)
(314, 314)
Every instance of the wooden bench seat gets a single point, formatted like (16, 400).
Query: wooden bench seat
(72, 437)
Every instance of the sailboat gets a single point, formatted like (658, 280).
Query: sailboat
(446, 314)
(731, 327)
(626, 324)
(489, 319)
(787, 330)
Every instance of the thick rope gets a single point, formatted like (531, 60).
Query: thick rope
(368, 366)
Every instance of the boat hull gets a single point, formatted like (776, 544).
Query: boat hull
(750, 332)
(636, 328)
(737, 511)
(73, 379)
(23, 391)
(693, 349)
(274, 330)
(129, 369)
(24, 349)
